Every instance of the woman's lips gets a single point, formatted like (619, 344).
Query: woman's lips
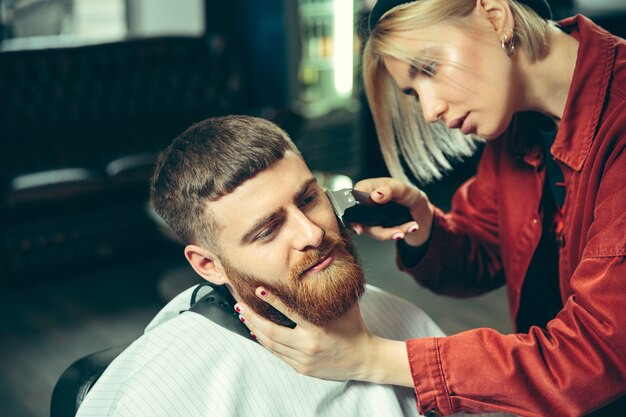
(467, 126)
(457, 123)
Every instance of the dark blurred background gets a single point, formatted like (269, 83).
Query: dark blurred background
(91, 90)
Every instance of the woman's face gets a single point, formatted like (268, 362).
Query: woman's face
(467, 79)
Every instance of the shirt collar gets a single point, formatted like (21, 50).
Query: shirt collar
(594, 65)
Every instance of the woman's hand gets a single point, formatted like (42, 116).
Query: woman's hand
(336, 351)
(342, 350)
(383, 190)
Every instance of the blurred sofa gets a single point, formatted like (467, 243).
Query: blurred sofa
(80, 128)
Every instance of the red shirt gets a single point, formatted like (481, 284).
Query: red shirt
(576, 364)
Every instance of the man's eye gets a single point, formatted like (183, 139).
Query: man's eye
(266, 233)
(310, 199)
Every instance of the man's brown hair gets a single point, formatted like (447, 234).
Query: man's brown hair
(207, 161)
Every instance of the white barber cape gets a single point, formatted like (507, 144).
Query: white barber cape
(186, 365)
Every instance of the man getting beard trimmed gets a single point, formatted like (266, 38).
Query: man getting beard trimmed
(238, 193)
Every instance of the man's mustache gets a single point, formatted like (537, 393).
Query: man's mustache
(314, 256)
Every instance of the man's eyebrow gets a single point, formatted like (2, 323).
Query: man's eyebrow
(303, 189)
(260, 223)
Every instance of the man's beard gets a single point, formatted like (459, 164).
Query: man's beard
(318, 298)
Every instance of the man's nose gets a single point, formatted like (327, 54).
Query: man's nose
(307, 234)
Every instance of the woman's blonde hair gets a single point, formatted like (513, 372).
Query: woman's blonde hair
(402, 130)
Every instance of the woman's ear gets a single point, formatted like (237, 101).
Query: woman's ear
(499, 15)
(206, 264)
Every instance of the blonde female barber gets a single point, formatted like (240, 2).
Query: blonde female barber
(545, 214)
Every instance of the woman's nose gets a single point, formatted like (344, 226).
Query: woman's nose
(433, 108)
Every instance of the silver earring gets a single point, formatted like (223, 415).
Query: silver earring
(508, 44)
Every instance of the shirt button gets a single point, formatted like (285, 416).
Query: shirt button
(535, 221)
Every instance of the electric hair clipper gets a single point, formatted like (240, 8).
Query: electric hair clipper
(352, 206)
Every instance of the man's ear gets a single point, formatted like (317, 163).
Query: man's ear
(499, 15)
(206, 264)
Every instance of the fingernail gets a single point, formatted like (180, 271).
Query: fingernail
(253, 335)
(398, 236)
(413, 228)
(380, 194)
(238, 309)
(262, 293)
(242, 318)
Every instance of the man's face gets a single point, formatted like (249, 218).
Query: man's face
(279, 230)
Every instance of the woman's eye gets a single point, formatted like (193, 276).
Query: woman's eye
(429, 69)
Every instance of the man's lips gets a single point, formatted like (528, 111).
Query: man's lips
(322, 263)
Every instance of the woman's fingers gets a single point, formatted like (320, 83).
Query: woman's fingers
(386, 233)
(328, 351)
(265, 331)
(277, 303)
(383, 190)
(294, 346)
(269, 333)
(371, 184)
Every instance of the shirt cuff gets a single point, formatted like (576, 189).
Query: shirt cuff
(431, 390)
(409, 255)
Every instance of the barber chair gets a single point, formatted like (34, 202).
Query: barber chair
(74, 384)
(78, 379)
